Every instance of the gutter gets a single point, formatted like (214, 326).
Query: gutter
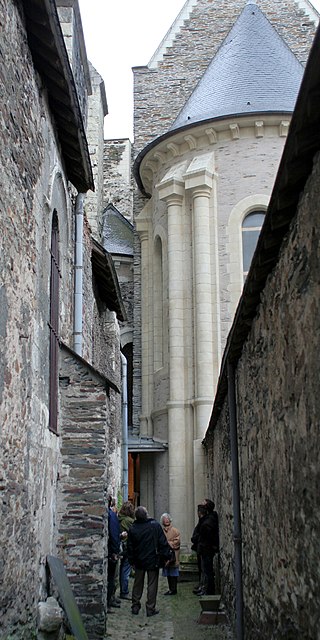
(78, 275)
(237, 538)
(125, 470)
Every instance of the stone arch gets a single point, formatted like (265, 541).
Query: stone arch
(59, 201)
(234, 242)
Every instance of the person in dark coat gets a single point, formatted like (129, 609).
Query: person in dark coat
(126, 520)
(208, 546)
(146, 541)
(202, 511)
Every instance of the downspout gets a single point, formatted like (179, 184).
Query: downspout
(125, 471)
(78, 272)
(236, 499)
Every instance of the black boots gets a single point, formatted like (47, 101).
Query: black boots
(172, 582)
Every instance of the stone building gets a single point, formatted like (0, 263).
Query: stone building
(263, 438)
(211, 115)
(60, 367)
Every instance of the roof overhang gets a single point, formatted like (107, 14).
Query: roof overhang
(145, 445)
(107, 280)
(109, 384)
(51, 61)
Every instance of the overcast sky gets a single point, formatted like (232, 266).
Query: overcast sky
(119, 35)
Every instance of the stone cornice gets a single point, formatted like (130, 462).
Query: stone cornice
(171, 190)
(203, 138)
(199, 174)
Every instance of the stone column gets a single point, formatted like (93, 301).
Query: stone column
(199, 180)
(172, 191)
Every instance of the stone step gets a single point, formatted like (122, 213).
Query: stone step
(210, 603)
(212, 617)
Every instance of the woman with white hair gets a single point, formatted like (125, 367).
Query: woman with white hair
(171, 570)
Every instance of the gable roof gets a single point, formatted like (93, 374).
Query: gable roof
(117, 232)
(254, 71)
(107, 280)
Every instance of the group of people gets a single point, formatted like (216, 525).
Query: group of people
(143, 545)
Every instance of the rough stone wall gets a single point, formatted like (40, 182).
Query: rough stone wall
(71, 26)
(81, 504)
(278, 421)
(33, 184)
(26, 445)
(117, 176)
(94, 132)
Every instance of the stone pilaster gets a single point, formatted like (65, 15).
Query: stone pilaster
(172, 191)
(199, 181)
(143, 230)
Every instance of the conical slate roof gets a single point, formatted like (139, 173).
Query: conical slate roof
(253, 72)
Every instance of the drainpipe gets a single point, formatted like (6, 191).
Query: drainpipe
(236, 500)
(78, 271)
(125, 471)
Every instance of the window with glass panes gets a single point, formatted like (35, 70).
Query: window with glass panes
(251, 227)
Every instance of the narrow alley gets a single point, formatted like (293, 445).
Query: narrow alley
(177, 620)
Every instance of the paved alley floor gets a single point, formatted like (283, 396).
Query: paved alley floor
(177, 620)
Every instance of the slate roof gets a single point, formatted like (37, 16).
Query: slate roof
(117, 232)
(254, 71)
(107, 280)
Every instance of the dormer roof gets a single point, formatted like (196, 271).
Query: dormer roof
(117, 232)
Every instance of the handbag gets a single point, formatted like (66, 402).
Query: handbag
(162, 561)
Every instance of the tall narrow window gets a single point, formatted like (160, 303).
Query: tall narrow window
(251, 228)
(128, 353)
(54, 326)
(157, 305)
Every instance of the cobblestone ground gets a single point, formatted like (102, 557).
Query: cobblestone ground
(177, 620)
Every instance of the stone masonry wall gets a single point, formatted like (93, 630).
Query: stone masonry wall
(94, 200)
(33, 185)
(278, 421)
(81, 504)
(26, 496)
(71, 26)
(117, 176)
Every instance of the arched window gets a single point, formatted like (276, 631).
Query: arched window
(54, 326)
(158, 305)
(127, 351)
(251, 227)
